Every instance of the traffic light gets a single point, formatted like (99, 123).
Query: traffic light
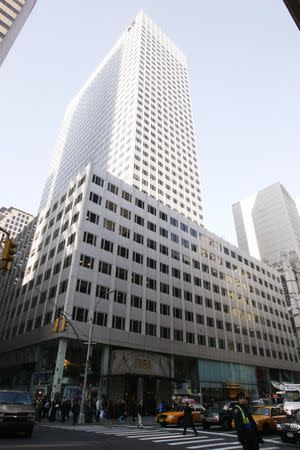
(67, 363)
(64, 323)
(8, 254)
(55, 326)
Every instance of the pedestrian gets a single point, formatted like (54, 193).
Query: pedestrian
(109, 414)
(46, 407)
(38, 404)
(188, 419)
(245, 425)
(161, 406)
(54, 410)
(64, 410)
(98, 408)
(140, 412)
(75, 408)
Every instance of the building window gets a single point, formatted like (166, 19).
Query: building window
(106, 245)
(137, 257)
(139, 203)
(165, 333)
(97, 180)
(139, 220)
(136, 301)
(136, 278)
(120, 297)
(126, 196)
(125, 213)
(150, 329)
(164, 309)
(150, 305)
(112, 188)
(95, 198)
(121, 273)
(190, 337)
(71, 239)
(138, 238)
(67, 261)
(83, 286)
(109, 224)
(100, 319)
(178, 335)
(104, 267)
(111, 206)
(89, 238)
(86, 261)
(135, 326)
(92, 217)
(63, 286)
(118, 322)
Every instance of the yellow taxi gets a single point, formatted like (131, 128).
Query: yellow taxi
(266, 418)
(175, 417)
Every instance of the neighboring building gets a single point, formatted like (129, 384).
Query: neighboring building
(13, 15)
(176, 309)
(133, 118)
(13, 220)
(268, 223)
(294, 8)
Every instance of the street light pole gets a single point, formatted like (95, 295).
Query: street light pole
(81, 415)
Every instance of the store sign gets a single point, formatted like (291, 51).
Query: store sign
(139, 364)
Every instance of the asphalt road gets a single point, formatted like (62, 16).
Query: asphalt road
(128, 437)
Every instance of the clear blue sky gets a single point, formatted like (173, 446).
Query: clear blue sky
(244, 66)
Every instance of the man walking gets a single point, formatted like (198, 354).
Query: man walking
(245, 425)
(139, 410)
(188, 419)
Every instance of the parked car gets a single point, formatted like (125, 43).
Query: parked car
(266, 418)
(175, 417)
(289, 430)
(219, 413)
(16, 412)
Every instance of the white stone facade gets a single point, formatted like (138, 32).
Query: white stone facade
(177, 288)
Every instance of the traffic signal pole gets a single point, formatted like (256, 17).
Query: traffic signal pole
(8, 252)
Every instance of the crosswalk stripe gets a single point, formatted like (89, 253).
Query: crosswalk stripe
(133, 433)
(192, 442)
(236, 447)
(178, 438)
(149, 438)
(166, 436)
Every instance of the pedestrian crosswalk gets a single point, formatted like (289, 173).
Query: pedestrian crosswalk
(206, 440)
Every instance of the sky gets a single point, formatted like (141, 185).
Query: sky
(244, 69)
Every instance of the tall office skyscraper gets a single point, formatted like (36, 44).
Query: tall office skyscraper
(133, 117)
(268, 223)
(13, 15)
(175, 309)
